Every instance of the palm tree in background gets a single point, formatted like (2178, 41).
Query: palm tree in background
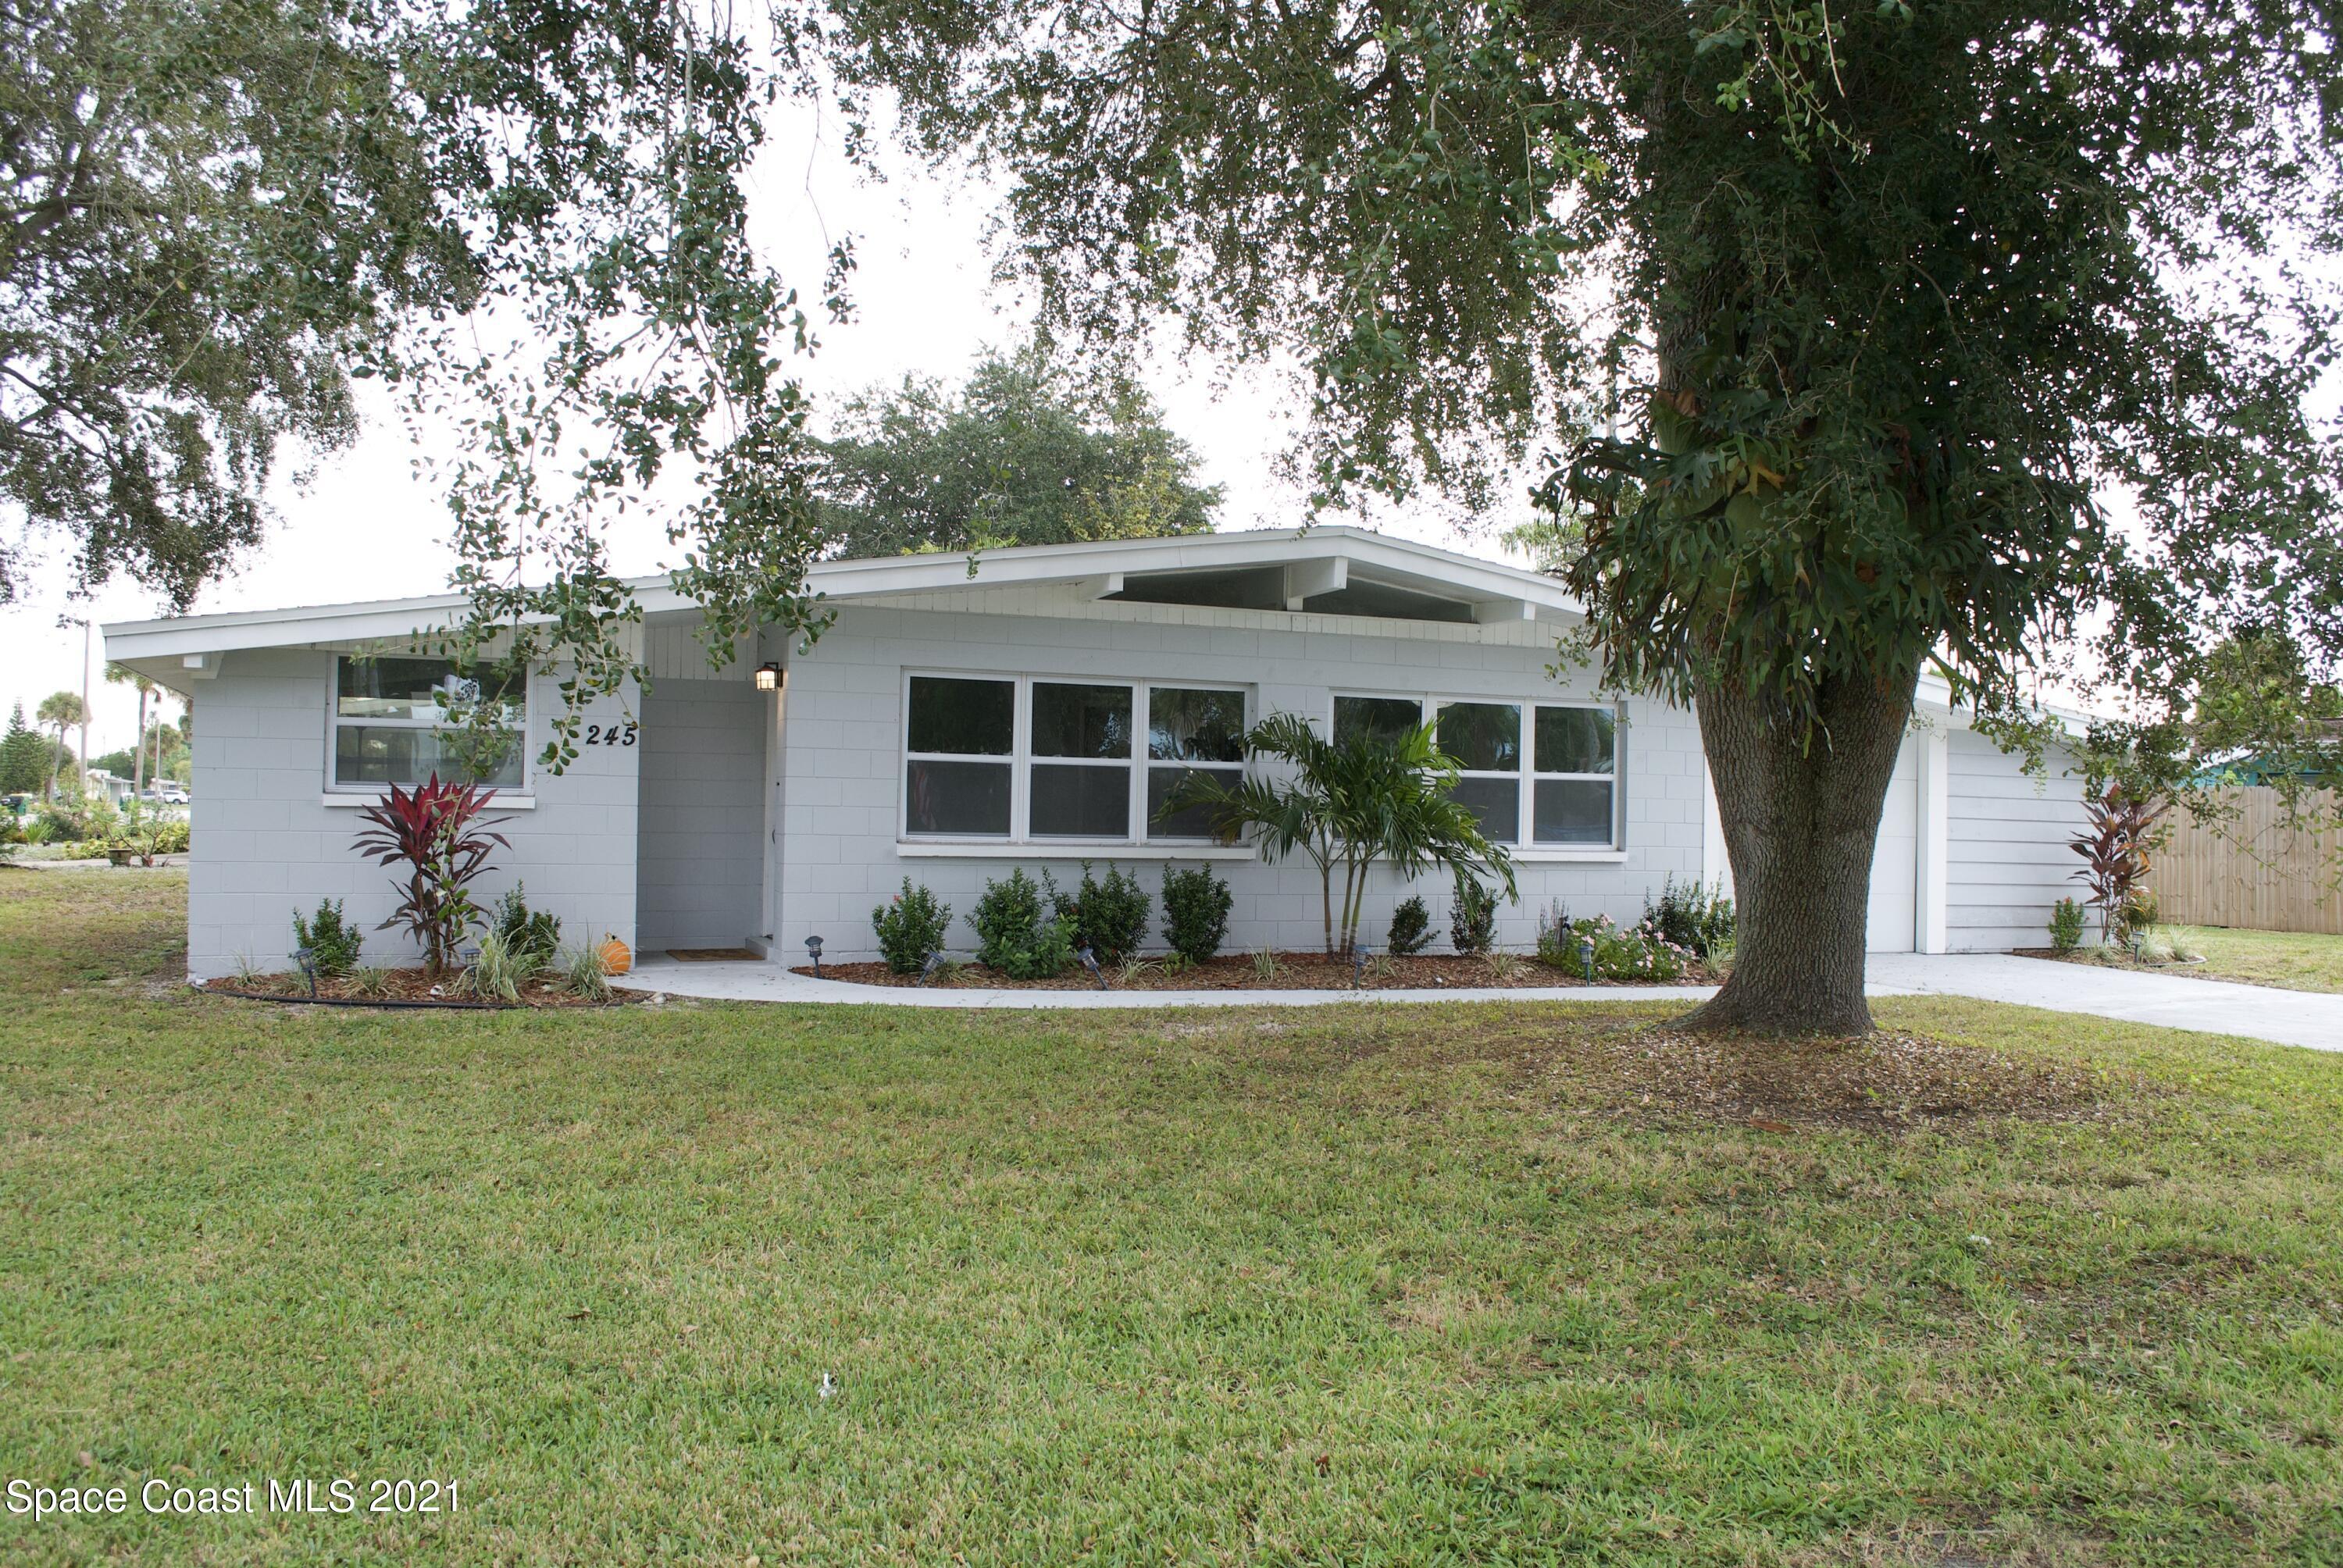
(122, 675)
(64, 710)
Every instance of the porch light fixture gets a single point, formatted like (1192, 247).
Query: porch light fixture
(769, 676)
(813, 951)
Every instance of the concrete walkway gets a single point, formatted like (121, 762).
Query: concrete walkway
(2216, 1007)
(2170, 1001)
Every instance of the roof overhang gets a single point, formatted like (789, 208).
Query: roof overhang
(1311, 562)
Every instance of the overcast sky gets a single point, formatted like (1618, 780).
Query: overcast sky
(365, 526)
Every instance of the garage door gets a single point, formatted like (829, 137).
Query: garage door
(1895, 868)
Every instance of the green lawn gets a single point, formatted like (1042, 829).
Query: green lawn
(2296, 960)
(1351, 1286)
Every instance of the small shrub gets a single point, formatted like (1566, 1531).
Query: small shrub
(1177, 963)
(911, 926)
(1109, 914)
(537, 934)
(497, 970)
(2142, 912)
(1018, 934)
(1410, 928)
(583, 973)
(1133, 969)
(333, 942)
(2065, 926)
(1557, 940)
(371, 983)
(1472, 917)
(1265, 966)
(1196, 912)
(1696, 919)
(1502, 966)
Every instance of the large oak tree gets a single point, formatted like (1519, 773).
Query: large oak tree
(1901, 291)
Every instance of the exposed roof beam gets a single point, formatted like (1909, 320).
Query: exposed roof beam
(1308, 579)
(1498, 612)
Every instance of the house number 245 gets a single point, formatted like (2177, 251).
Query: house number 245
(610, 734)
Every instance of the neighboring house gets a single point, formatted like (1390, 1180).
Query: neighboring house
(1026, 709)
(98, 781)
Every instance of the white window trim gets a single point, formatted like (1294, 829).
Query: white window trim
(520, 797)
(1525, 846)
(1139, 844)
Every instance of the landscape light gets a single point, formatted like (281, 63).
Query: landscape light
(813, 951)
(1090, 962)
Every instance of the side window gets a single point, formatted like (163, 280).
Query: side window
(957, 768)
(1575, 789)
(1189, 729)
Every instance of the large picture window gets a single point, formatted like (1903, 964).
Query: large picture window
(1543, 775)
(390, 724)
(1037, 758)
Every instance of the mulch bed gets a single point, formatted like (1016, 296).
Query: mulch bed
(400, 989)
(1884, 1082)
(1295, 971)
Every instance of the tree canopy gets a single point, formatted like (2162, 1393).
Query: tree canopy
(528, 217)
(1023, 453)
(1886, 299)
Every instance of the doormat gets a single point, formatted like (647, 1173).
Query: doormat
(712, 955)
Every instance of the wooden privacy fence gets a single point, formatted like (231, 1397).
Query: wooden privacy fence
(2253, 870)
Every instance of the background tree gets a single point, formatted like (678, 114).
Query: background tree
(27, 760)
(62, 710)
(1896, 286)
(121, 675)
(1023, 453)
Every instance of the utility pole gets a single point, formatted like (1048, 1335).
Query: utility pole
(82, 782)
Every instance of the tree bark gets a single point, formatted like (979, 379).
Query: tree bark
(1800, 806)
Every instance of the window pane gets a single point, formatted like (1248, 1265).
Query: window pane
(1189, 821)
(1082, 720)
(378, 754)
(406, 689)
(962, 797)
(1195, 726)
(963, 718)
(1375, 718)
(1497, 803)
(1575, 739)
(1078, 802)
(1483, 735)
(1573, 812)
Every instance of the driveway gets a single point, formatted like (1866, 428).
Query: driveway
(2216, 1007)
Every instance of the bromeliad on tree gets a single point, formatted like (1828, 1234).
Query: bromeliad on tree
(435, 832)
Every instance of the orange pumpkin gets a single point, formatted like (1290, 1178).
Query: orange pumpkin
(616, 958)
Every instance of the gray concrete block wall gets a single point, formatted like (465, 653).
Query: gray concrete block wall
(843, 763)
(264, 842)
(2008, 860)
(700, 880)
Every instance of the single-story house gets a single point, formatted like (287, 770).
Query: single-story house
(1026, 707)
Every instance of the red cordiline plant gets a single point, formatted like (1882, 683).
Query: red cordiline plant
(434, 831)
(2115, 849)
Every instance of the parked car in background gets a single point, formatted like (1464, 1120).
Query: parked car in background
(172, 794)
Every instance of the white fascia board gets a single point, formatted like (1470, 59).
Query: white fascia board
(1442, 572)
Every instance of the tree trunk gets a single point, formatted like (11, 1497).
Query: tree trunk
(1800, 807)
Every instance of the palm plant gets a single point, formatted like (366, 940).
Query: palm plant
(434, 831)
(1345, 807)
